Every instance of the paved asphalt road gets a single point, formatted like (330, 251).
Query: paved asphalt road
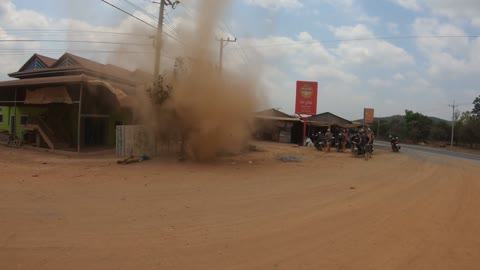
(431, 150)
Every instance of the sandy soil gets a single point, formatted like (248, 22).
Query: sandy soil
(330, 211)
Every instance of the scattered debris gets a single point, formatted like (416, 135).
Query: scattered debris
(290, 159)
(35, 175)
(132, 159)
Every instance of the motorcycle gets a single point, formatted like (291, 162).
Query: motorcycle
(394, 143)
(338, 142)
(357, 149)
(319, 144)
(319, 141)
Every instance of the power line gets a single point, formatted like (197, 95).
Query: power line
(76, 51)
(172, 29)
(73, 41)
(23, 52)
(170, 23)
(358, 39)
(239, 45)
(174, 38)
(126, 12)
(187, 10)
(59, 31)
(141, 10)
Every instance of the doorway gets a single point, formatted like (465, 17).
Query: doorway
(95, 131)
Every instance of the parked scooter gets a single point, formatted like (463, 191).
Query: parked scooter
(320, 141)
(394, 143)
(357, 149)
(338, 142)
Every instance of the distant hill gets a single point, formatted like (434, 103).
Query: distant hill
(397, 117)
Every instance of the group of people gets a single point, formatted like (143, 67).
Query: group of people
(360, 141)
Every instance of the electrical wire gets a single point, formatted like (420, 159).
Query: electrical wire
(59, 31)
(187, 10)
(72, 41)
(238, 42)
(359, 39)
(126, 12)
(148, 14)
(23, 52)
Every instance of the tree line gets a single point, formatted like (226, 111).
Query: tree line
(414, 127)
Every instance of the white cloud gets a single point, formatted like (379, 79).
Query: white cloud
(432, 27)
(275, 4)
(393, 28)
(444, 65)
(373, 52)
(305, 36)
(352, 32)
(119, 54)
(376, 82)
(399, 77)
(368, 19)
(408, 4)
(340, 3)
(461, 10)
(326, 73)
(23, 19)
(476, 22)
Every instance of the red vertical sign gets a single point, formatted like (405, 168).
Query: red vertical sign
(306, 101)
(368, 116)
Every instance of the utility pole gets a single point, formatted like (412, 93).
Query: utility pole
(158, 38)
(378, 127)
(223, 43)
(453, 121)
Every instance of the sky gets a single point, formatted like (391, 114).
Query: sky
(390, 55)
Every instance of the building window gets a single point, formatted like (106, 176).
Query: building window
(23, 120)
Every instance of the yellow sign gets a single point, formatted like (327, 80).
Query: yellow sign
(306, 91)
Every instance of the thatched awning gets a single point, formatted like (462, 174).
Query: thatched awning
(46, 95)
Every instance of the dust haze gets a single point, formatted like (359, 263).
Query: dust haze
(209, 110)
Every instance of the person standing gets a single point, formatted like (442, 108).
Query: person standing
(345, 139)
(328, 139)
(369, 145)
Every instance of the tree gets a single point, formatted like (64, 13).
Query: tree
(468, 129)
(418, 126)
(440, 131)
(476, 107)
(397, 127)
(159, 92)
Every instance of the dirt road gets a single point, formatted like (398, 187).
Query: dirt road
(330, 211)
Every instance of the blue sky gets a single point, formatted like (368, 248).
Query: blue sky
(390, 75)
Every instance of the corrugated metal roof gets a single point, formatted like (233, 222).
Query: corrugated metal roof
(274, 112)
(97, 69)
(266, 117)
(47, 60)
(44, 81)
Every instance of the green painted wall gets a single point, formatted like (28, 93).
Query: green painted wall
(19, 111)
(4, 125)
(71, 120)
